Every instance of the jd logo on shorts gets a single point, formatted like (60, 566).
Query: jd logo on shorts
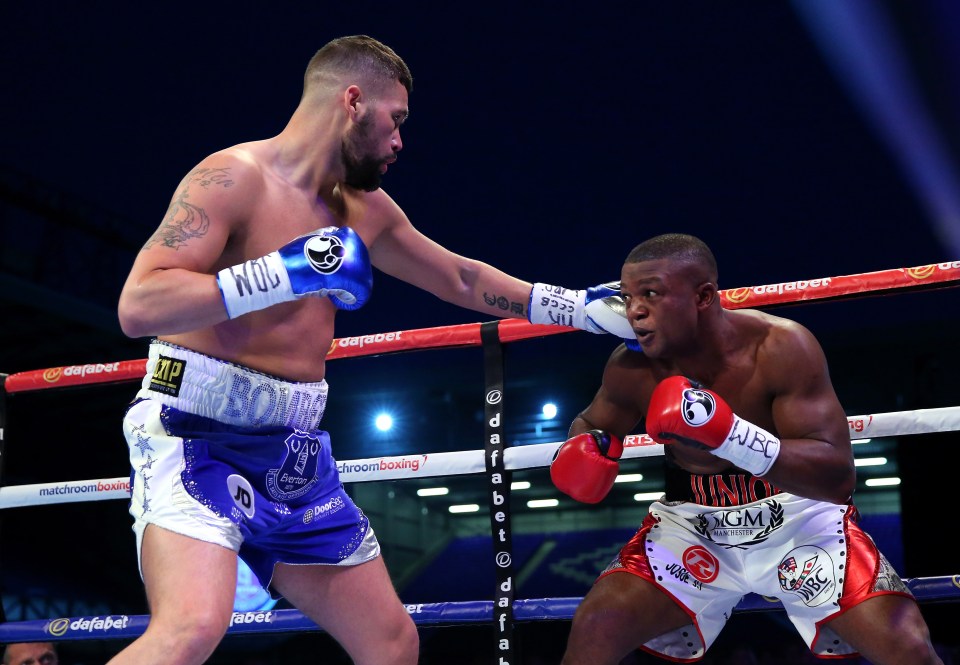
(298, 472)
(167, 376)
(242, 494)
(698, 407)
(325, 253)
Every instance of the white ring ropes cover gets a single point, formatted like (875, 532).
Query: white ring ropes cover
(434, 465)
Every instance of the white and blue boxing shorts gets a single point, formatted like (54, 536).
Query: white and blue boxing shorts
(231, 456)
(811, 555)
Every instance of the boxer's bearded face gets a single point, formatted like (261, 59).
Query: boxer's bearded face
(361, 163)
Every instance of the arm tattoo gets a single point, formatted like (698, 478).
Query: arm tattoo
(503, 303)
(184, 220)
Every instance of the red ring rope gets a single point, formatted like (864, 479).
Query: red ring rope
(936, 275)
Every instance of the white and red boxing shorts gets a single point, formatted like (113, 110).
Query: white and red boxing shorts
(811, 555)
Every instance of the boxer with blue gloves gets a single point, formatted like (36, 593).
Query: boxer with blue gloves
(227, 455)
(598, 309)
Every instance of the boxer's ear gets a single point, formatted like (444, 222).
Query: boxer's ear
(352, 100)
(706, 294)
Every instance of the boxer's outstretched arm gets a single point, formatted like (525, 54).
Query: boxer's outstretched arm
(402, 251)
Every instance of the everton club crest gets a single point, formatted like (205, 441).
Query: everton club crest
(298, 472)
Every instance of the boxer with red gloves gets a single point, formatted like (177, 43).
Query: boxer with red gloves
(758, 479)
(683, 410)
(585, 466)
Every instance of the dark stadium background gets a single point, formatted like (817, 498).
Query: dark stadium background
(544, 138)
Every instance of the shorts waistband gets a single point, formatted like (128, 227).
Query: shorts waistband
(232, 394)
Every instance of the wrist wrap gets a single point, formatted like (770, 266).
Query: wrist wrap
(254, 284)
(750, 447)
(557, 306)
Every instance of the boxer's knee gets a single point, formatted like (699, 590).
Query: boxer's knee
(406, 645)
(189, 636)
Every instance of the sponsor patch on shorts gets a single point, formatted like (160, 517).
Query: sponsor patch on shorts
(808, 571)
(334, 505)
(168, 376)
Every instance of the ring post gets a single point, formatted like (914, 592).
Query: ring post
(499, 486)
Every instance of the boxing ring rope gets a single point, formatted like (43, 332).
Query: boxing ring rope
(471, 462)
(927, 589)
(920, 278)
(122, 626)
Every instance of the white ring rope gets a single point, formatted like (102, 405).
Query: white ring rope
(433, 465)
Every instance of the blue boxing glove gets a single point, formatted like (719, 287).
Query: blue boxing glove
(599, 309)
(331, 262)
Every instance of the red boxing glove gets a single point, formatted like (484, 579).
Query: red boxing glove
(682, 410)
(585, 466)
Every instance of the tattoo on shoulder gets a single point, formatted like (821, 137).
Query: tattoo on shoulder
(503, 303)
(184, 220)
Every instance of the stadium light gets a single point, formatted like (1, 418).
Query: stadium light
(383, 422)
(870, 461)
(882, 482)
(432, 491)
(543, 503)
(647, 496)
